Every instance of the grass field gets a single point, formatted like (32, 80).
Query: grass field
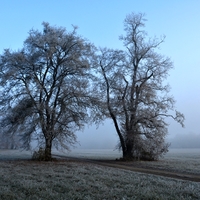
(25, 179)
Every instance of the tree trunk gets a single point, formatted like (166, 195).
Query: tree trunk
(128, 152)
(48, 147)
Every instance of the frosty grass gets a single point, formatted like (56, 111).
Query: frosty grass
(75, 180)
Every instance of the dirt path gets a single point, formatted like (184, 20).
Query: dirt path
(134, 166)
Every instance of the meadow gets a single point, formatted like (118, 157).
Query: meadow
(21, 178)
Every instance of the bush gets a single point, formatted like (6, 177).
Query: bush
(39, 155)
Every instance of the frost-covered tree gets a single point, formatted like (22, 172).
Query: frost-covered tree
(44, 87)
(133, 93)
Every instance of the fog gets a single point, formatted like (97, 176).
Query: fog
(189, 140)
(105, 137)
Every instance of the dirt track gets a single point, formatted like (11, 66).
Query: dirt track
(136, 167)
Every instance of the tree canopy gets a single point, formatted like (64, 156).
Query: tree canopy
(45, 87)
(59, 81)
(131, 82)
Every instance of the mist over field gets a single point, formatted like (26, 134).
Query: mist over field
(105, 141)
(105, 137)
(190, 140)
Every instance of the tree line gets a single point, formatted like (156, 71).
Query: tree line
(58, 82)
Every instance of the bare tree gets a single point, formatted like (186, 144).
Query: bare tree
(44, 87)
(137, 101)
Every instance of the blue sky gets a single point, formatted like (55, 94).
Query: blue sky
(101, 21)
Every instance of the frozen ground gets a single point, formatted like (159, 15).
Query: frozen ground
(79, 153)
(173, 154)
(179, 160)
(84, 181)
(182, 160)
(6, 154)
(25, 179)
(93, 153)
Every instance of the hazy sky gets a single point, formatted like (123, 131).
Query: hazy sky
(101, 21)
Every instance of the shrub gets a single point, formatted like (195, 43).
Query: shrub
(39, 155)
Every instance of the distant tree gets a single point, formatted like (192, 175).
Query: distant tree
(44, 87)
(133, 94)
